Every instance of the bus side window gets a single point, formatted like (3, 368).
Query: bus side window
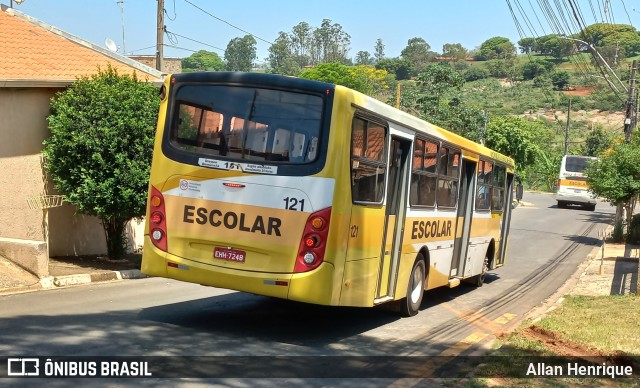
(499, 181)
(368, 165)
(423, 177)
(483, 198)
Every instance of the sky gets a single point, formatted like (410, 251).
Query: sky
(468, 22)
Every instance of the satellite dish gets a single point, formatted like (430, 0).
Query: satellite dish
(111, 45)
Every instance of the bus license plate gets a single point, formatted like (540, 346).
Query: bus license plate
(229, 254)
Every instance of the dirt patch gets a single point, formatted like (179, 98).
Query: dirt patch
(563, 347)
(559, 345)
(611, 120)
(583, 91)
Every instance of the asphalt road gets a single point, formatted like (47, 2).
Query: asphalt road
(160, 317)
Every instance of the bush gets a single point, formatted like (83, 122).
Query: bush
(99, 152)
(475, 73)
(560, 79)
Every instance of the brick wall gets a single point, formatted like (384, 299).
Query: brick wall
(171, 65)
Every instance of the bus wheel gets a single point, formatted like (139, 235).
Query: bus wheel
(562, 204)
(478, 280)
(410, 305)
(591, 207)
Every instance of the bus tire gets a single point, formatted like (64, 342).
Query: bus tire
(478, 280)
(410, 305)
(591, 207)
(562, 204)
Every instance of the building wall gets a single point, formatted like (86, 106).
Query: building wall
(170, 65)
(23, 127)
(23, 230)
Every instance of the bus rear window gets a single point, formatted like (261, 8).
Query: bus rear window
(577, 164)
(248, 124)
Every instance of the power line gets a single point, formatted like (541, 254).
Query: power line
(142, 49)
(627, 12)
(226, 22)
(170, 33)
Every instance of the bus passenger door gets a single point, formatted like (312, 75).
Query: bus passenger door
(505, 223)
(396, 205)
(464, 217)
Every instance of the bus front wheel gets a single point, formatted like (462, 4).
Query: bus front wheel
(410, 305)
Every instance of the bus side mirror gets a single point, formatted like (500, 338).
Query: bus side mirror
(519, 191)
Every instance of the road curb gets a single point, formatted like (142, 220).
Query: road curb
(50, 282)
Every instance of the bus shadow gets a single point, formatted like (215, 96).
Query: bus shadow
(270, 319)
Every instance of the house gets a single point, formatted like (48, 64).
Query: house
(36, 61)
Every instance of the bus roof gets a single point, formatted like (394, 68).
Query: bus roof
(389, 112)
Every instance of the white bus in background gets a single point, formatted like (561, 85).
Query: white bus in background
(572, 183)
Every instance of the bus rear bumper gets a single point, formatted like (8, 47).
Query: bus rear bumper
(575, 199)
(311, 287)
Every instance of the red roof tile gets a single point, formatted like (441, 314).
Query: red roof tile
(33, 50)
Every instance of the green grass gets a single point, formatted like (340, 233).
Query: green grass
(608, 323)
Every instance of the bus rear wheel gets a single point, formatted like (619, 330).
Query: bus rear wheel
(410, 305)
(478, 280)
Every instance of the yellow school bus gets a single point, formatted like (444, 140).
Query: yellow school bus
(314, 192)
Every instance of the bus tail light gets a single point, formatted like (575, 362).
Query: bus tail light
(157, 220)
(314, 241)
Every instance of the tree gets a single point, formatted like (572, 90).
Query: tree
(560, 80)
(330, 43)
(436, 80)
(497, 47)
(455, 51)
(613, 35)
(536, 68)
(475, 73)
(515, 137)
(364, 58)
(379, 50)
(399, 67)
(613, 55)
(502, 68)
(596, 142)
(240, 53)
(554, 46)
(440, 100)
(301, 41)
(417, 53)
(365, 79)
(527, 45)
(281, 57)
(202, 61)
(616, 176)
(99, 152)
(544, 172)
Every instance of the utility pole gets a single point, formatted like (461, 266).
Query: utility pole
(121, 4)
(566, 131)
(630, 119)
(160, 36)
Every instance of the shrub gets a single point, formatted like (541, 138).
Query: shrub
(99, 152)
